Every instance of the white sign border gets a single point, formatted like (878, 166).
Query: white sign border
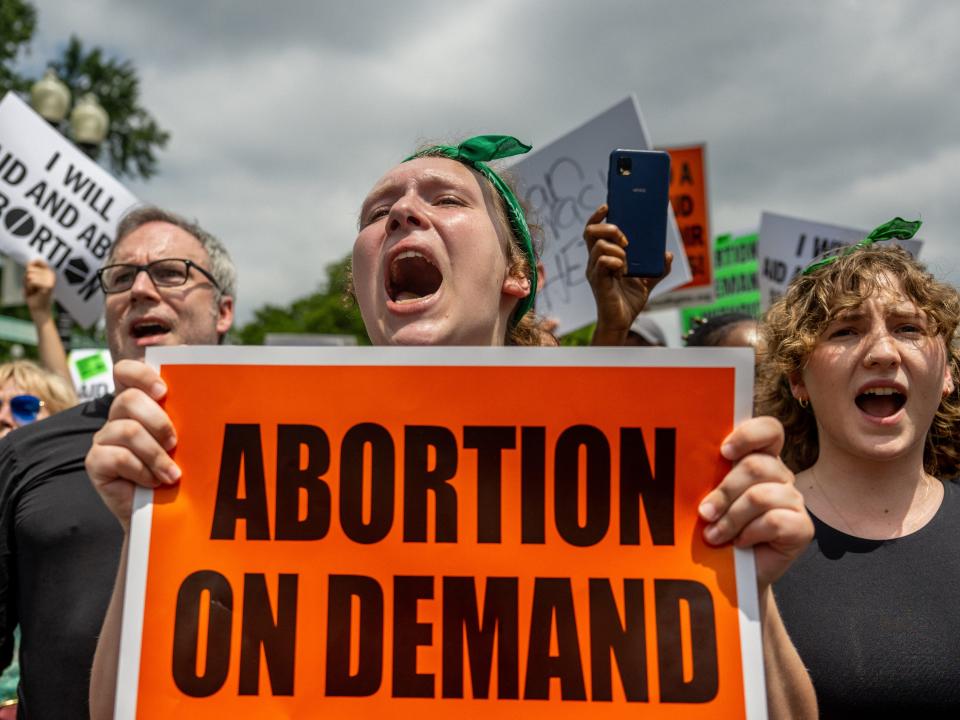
(740, 359)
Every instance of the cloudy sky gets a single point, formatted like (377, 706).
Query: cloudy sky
(284, 114)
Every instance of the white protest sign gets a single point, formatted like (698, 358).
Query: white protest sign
(92, 372)
(563, 183)
(56, 204)
(787, 245)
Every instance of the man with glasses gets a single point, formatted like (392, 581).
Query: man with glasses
(166, 281)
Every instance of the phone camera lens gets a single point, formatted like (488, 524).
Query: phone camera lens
(624, 165)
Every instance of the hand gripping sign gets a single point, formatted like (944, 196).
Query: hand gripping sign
(435, 533)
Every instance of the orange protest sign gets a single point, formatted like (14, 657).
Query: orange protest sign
(411, 533)
(688, 198)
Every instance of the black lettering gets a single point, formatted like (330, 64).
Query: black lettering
(340, 623)
(655, 489)
(489, 442)
(692, 236)
(14, 174)
(682, 205)
(277, 637)
(626, 641)
(382, 471)
(103, 244)
(500, 621)
(704, 684)
(41, 238)
(36, 192)
(533, 501)
(686, 176)
(419, 479)
(408, 635)
(242, 450)
(553, 598)
(89, 288)
(822, 244)
(294, 481)
(186, 631)
(58, 245)
(75, 177)
(567, 480)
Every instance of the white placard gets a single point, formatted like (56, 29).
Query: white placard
(56, 204)
(563, 183)
(786, 245)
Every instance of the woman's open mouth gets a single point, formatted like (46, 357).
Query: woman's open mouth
(881, 402)
(412, 277)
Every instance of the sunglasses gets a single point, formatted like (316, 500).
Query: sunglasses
(896, 229)
(24, 408)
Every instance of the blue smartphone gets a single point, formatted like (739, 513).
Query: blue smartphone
(638, 185)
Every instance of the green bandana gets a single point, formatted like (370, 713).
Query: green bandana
(474, 153)
(896, 229)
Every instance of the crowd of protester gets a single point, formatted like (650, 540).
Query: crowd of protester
(843, 483)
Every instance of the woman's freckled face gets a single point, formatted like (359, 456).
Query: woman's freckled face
(875, 378)
(429, 266)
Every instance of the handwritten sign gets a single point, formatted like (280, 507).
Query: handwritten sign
(563, 183)
(688, 198)
(56, 204)
(735, 280)
(366, 551)
(787, 245)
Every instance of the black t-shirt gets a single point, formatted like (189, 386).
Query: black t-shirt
(877, 622)
(59, 549)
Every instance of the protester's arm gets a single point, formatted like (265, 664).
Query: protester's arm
(619, 298)
(756, 505)
(38, 284)
(131, 449)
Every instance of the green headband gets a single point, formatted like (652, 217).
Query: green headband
(896, 229)
(474, 153)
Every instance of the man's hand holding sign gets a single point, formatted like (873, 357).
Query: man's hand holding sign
(565, 538)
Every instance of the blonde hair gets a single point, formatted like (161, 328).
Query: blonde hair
(57, 394)
(792, 326)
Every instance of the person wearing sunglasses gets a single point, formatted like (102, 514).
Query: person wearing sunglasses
(860, 361)
(29, 393)
(165, 281)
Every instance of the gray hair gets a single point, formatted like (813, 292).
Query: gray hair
(221, 266)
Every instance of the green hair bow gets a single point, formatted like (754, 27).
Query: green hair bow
(475, 153)
(896, 229)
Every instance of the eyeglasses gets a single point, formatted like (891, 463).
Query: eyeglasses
(896, 229)
(24, 408)
(169, 272)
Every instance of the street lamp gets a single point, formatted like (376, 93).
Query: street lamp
(88, 127)
(89, 122)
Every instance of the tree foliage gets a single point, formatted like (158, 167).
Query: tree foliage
(134, 137)
(330, 310)
(17, 23)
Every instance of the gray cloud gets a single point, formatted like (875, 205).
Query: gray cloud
(283, 115)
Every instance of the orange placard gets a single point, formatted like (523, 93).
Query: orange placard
(508, 534)
(688, 197)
